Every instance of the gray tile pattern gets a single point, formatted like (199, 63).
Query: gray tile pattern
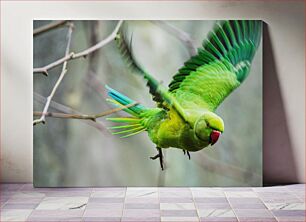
(22, 202)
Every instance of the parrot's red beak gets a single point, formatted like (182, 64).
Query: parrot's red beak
(214, 136)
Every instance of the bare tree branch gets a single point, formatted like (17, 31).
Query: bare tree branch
(48, 27)
(84, 53)
(179, 34)
(68, 110)
(83, 116)
(58, 82)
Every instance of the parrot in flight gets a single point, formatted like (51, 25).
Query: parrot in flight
(184, 116)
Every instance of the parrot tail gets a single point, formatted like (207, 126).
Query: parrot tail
(133, 125)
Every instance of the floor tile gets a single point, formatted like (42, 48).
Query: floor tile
(296, 187)
(68, 193)
(103, 213)
(285, 206)
(27, 187)
(278, 189)
(143, 213)
(236, 205)
(141, 189)
(269, 204)
(179, 219)
(55, 219)
(289, 213)
(20, 206)
(218, 219)
(141, 193)
(291, 219)
(141, 206)
(254, 219)
(109, 194)
(176, 194)
(142, 200)
(10, 186)
(176, 200)
(62, 203)
(57, 213)
(240, 194)
(216, 213)
(177, 206)
(208, 192)
(274, 197)
(300, 195)
(3, 200)
(24, 194)
(29, 200)
(101, 219)
(178, 213)
(210, 200)
(237, 189)
(176, 189)
(244, 200)
(253, 213)
(15, 214)
(106, 200)
(224, 205)
(141, 219)
(91, 205)
(111, 189)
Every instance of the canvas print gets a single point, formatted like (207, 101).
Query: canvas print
(147, 103)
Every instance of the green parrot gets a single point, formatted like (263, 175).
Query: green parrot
(185, 115)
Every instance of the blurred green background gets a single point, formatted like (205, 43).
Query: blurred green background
(77, 153)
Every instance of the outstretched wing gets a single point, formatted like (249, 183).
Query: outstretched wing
(158, 91)
(221, 65)
(161, 95)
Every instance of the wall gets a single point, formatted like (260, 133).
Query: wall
(284, 66)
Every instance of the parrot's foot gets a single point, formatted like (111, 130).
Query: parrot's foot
(188, 154)
(160, 156)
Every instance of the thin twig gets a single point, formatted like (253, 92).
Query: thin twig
(83, 116)
(48, 27)
(68, 110)
(58, 82)
(179, 34)
(84, 53)
(64, 115)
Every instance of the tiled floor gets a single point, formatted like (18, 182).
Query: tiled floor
(22, 202)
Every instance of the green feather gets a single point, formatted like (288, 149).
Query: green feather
(129, 130)
(124, 126)
(124, 120)
(132, 134)
(233, 41)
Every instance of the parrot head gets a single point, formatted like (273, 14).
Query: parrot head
(209, 127)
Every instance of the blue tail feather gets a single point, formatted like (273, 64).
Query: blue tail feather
(124, 100)
(133, 124)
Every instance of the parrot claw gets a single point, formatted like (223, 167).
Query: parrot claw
(187, 153)
(154, 157)
(160, 156)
